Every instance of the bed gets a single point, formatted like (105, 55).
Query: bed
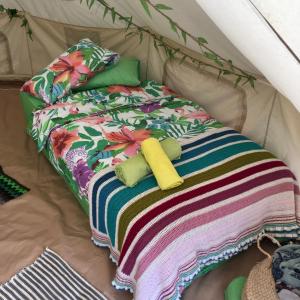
(161, 240)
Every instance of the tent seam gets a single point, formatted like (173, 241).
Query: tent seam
(269, 118)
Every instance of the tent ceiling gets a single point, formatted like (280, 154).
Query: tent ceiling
(193, 19)
(284, 17)
(234, 29)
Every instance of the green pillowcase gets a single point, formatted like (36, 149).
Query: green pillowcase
(125, 72)
(30, 104)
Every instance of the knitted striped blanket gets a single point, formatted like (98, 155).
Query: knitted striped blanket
(161, 240)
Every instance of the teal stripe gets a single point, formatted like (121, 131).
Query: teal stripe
(123, 196)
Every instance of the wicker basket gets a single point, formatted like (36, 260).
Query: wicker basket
(260, 283)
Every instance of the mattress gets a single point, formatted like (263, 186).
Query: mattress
(233, 188)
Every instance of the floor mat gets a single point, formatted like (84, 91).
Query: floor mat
(10, 188)
(49, 278)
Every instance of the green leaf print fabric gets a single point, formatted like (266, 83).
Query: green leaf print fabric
(70, 70)
(96, 129)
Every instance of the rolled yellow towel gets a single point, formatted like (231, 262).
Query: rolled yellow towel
(161, 166)
(135, 168)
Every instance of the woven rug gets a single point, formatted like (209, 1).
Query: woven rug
(49, 277)
(10, 188)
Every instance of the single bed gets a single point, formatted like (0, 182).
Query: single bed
(233, 188)
(160, 240)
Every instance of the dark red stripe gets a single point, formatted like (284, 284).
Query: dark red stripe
(200, 204)
(144, 220)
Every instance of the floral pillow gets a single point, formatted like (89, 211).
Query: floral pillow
(71, 69)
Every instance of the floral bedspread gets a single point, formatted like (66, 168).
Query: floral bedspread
(96, 129)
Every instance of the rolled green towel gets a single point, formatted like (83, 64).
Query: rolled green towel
(132, 170)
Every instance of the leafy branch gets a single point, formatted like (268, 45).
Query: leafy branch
(14, 13)
(222, 65)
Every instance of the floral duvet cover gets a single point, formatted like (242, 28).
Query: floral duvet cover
(96, 129)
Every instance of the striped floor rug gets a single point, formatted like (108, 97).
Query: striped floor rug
(49, 277)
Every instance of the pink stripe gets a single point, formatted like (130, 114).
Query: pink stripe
(210, 216)
(170, 289)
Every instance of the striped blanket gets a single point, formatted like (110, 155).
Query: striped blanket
(161, 240)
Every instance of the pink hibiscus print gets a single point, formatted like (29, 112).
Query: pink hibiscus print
(116, 161)
(62, 140)
(70, 68)
(95, 120)
(126, 139)
(199, 115)
(28, 87)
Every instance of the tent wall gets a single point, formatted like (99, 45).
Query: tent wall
(262, 114)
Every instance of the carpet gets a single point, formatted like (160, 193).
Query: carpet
(49, 278)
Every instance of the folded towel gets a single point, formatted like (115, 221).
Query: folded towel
(161, 166)
(132, 170)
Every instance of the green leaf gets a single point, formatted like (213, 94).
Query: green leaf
(91, 131)
(163, 7)
(218, 62)
(146, 7)
(103, 3)
(237, 81)
(128, 34)
(173, 26)
(79, 144)
(226, 72)
(101, 145)
(91, 3)
(183, 33)
(24, 22)
(113, 15)
(129, 22)
(230, 64)
(29, 32)
(201, 40)
(152, 92)
(105, 12)
(84, 136)
(251, 80)
(210, 55)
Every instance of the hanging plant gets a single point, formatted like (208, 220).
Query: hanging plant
(217, 62)
(14, 13)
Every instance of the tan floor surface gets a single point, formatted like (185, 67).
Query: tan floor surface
(49, 216)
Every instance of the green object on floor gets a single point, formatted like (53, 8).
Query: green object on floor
(234, 290)
(10, 188)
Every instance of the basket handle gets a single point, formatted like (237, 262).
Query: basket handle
(260, 237)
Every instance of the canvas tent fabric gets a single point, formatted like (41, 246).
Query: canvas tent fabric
(267, 114)
(264, 114)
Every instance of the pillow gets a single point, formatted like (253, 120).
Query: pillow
(125, 72)
(30, 104)
(71, 69)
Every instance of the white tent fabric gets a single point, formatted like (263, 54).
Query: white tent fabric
(234, 29)
(193, 18)
(251, 34)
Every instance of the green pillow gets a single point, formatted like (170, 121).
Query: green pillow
(30, 104)
(125, 72)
